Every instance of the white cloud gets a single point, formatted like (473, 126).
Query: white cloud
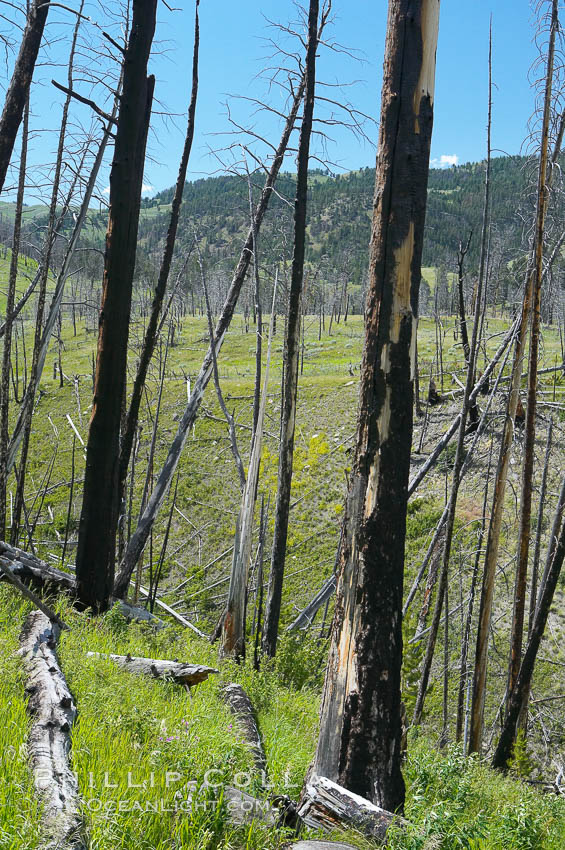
(446, 160)
(106, 191)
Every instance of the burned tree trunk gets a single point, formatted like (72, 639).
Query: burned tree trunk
(493, 540)
(159, 294)
(530, 417)
(523, 680)
(143, 530)
(360, 736)
(292, 350)
(99, 515)
(18, 89)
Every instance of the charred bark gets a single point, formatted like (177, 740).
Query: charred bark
(99, 515)
(151, 332)
(360, 736)
(292, 350)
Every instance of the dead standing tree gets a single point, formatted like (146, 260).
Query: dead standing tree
(530, 422)
(99, 515)
(495, 524)
(151, 332)
(359, 745)
(292, 346)
(141, 535)
(18, 89)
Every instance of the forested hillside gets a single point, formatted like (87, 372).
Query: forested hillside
(282, 495)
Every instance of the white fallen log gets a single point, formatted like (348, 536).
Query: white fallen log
(174, 614)
(177, 671)
(326, 805)
(33, 572)
(53, 713)
(241, 707)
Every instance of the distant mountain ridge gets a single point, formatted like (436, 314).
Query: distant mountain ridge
(339, 210)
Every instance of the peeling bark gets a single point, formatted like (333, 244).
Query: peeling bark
(360, 735)
(327, 805)
(53, 713)
(184, 674)
(241, 707)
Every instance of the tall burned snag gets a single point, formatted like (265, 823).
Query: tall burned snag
(292, 348)
(99, 515)
(151, 332)
(359, 745)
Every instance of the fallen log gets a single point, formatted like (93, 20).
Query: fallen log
(53, 713)
(326, 805)
(241, 707)
(30, 571)
(187, 675)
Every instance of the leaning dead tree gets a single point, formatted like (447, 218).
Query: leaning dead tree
(523, 681)
(292, 346)
(531, 407)
(359, 745)
(99, 515)
(141, 535)
(495, 523)
(18, 89)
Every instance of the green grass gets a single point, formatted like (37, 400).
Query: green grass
(139, 745)
(19, 808)
(122, 721)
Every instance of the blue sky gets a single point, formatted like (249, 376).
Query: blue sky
(233, 51)
(233, 48)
